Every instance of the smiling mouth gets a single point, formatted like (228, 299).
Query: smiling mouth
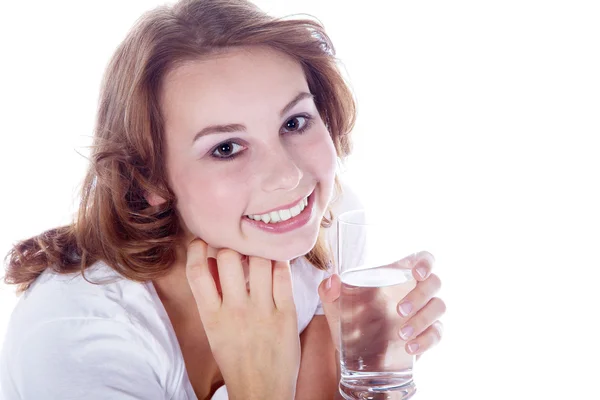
(288, 225)
(282, 215)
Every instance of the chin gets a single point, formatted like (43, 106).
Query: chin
(298, 248)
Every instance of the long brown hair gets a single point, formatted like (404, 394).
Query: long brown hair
(115, 223)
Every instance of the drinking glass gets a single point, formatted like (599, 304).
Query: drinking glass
(376, 253)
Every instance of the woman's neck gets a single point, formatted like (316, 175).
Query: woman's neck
(173, 288)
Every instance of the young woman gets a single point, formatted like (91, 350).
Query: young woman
(201, 253)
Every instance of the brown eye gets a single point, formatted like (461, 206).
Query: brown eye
(296, 123)
(225, 150)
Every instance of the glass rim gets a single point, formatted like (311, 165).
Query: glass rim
(375, 221)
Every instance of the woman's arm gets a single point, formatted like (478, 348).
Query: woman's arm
(319, 370)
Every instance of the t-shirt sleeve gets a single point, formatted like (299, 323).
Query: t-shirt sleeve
(85, 358)
(319, 310)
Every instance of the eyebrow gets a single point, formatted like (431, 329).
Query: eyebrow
(229, 128)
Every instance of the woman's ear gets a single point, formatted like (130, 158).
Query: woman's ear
(154, 199)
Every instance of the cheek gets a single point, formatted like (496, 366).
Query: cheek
(321, 157)
(204, 201)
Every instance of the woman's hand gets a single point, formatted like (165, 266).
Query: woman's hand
(420, 310)
(253, 333)
(417, 313)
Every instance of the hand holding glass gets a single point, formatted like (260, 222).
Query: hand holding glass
(376, 256)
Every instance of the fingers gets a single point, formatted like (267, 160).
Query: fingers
(261, 281)
(426, 340)
(283, 295)
(424, 262)
(231, 275)
(419, 296)
(200, 279)
(423, 319)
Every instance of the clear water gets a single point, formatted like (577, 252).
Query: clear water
(374, 362)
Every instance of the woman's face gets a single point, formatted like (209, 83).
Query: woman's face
(273, 151)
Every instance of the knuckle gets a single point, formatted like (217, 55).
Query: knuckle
(210, 321)
(437, 331)
(280, 273)
(195, 252)
(237, 311)
(419, 322)
(192, 274)
(421, 290)
(264, 311)
(197, 244)
(434, 282)
(439, 305)
(226, 254)
(436, 306)
(259, 262)
(289, 319)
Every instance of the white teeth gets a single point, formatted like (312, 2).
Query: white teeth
(296, 209)
(285, 215)
(281, 215)
(274, 216)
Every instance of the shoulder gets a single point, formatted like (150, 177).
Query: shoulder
(64, 325)
(76, 357)
(101, 294)
(65, 304)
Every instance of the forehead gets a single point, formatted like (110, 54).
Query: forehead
(232, 78)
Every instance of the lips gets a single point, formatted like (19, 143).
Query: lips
(288, 225)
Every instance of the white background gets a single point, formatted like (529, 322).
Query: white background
(478, 119)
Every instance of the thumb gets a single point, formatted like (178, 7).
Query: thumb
(330, 289)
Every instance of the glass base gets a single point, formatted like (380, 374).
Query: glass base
(383, 386)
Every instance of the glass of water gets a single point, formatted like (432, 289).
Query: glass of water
(376, 254)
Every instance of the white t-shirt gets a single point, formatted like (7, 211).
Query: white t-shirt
(70, 339)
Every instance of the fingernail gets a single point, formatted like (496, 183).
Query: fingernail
(413, 347)
(406, 332)
(405, 308)
(328, 283)
(422, 271)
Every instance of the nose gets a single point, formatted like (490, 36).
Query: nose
(281, 172)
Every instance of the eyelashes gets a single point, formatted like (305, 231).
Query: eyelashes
(230, 145)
